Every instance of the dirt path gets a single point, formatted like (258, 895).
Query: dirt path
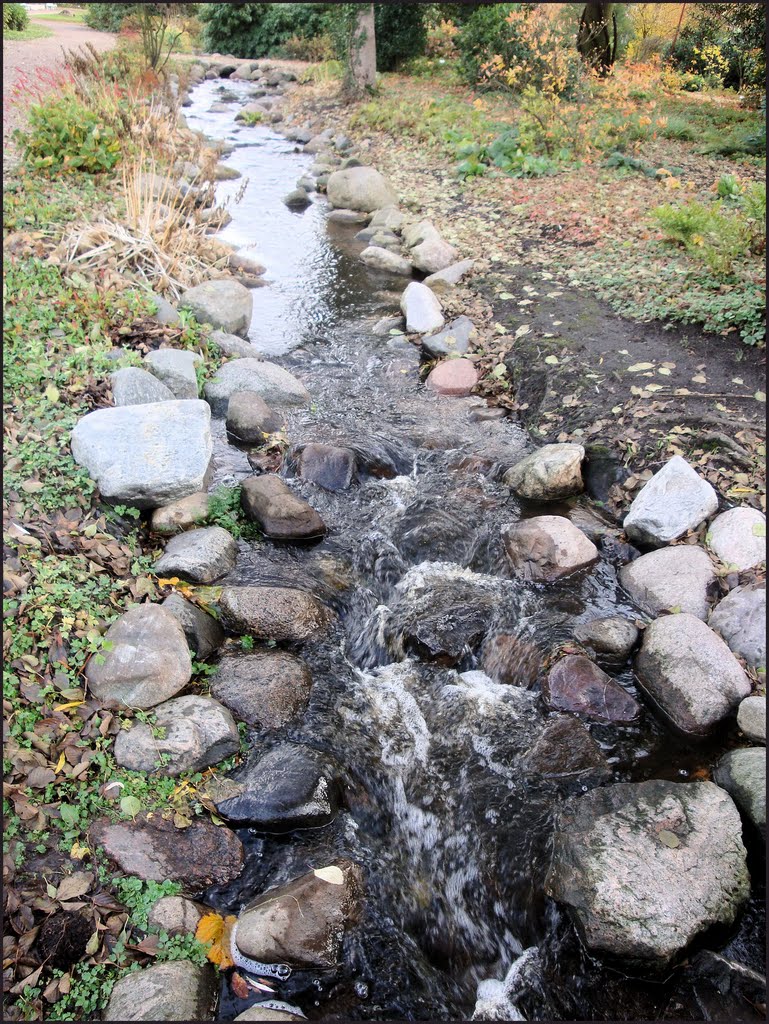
(25, 58)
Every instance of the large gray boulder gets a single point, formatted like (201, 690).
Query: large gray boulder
(388, 217)
(268, 380)
(147, 663)
(611, 640)
(269, 689)
(454, 339)
(195, 733)
(224, 303)
(690, 674)
(422, 309)
(360, 188)
(645, 868)
(382, 259)
(201, 556)
(146, 455)
(176, 369)
(545, 548)
(419, 232)
(175, 990)
(751, 718)
(303, 923)
(678, 579)
(133, 386)
(741, 620)
(551, 473)
(292, 786)
(234, 347)
(738, 538)
(273, 613)
(433, 255)
(742, 773)
(674, 501)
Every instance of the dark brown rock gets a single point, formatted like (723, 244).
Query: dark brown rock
(447, 635)
(303, 923)
(273, 613)
(327, 466)
(511, 660)
(282, 515)
(154, 849)
(567, 751)
(267, 689)
(576, 684)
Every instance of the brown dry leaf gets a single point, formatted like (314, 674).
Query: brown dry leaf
(75, 885)
(239, 986)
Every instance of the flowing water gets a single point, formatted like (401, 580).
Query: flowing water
(450, 827)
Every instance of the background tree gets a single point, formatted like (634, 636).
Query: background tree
(597, 36)
(361, 51)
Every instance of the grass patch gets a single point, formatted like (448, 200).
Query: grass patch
(26, 35)
(75, 18)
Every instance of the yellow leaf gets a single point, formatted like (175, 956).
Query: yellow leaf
(52, 393)
(216, 930)
(66, 707)
(79, 852)
(60, 764)
(173, 582)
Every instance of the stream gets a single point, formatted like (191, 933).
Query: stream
(450, 827)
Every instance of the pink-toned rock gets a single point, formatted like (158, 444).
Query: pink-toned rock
(453, 377)
(575, 684)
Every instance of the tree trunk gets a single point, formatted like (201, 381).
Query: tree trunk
(597, 36)
(363, 50)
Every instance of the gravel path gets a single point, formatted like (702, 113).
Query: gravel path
(27, 57)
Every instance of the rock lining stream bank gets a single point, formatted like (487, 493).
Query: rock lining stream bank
(481, 751)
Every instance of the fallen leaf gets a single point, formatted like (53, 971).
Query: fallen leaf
(216, 930)
(75, 885)
(699, 379)
(333, 875)
(760, 396)
(551, 360)
(130, 806)
(637, 367)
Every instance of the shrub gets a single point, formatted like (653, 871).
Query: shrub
(400, 34)
(256, 30)
(15, 17)
(108, 17)
(64, 134)
(484, 35)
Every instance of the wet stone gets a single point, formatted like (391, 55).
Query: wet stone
(567, 752)
(133, 386)
(202, 555)
(388, 217)
(545, 548)
(611, 640)
(291, 787)
(646, 867)
(738, 538)
(742, 773)
(678, 579)
(741, 620)
(154, 849)
(197, 733)
(204, 634)
(348, 217)
(379, 258)
(303, 923)
(453, 378)
(176, 990)
(273, 613)
(181, 515)
(148, 662)
(250, 419)
(273, 1010)
(268, 690)
(551, 473)
(388, 323)
(328, 467)
(446, 280)
(675, 500)
(297, 199)
(690, 674)
(511, 660)
(575, 684)
(447, 636)
(280, 513)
